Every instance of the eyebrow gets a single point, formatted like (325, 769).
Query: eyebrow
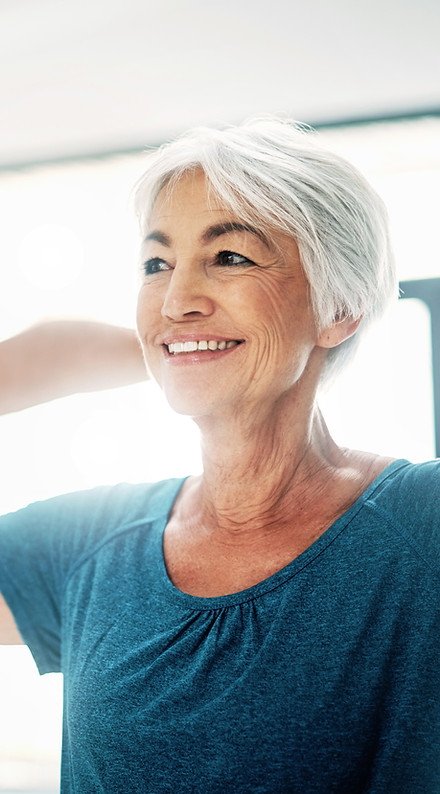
(159, 237)
(212, 233)
(218, 229)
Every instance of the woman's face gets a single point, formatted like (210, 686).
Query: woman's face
(224, 315)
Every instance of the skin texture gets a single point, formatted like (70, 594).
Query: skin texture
(273, 478)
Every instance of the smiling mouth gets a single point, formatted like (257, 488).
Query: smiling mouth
(176, 348)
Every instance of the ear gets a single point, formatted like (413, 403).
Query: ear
(333, 335)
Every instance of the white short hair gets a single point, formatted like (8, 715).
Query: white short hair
(272, 173)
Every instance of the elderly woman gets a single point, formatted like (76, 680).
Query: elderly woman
(270, 625)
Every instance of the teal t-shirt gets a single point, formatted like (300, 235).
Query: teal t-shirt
(323, 678)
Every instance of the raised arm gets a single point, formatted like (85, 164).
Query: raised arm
(9, 634)
(54, 359)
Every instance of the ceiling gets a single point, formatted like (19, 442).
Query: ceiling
(79, 77)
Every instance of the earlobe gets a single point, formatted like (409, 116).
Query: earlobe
(333, 335)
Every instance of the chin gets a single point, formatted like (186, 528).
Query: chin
(186, 404)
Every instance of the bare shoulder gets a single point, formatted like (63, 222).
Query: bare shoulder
(364, 466)
(9, 634)
(344, 482)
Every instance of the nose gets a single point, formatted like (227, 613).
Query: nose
(187, 295)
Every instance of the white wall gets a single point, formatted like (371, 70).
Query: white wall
(92, 75)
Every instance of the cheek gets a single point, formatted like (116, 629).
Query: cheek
(146, 330)
(140, 314)
(283, 327)
(148, 311)
(282, 308)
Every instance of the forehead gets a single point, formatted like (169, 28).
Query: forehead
(189, 194)
(189, 207)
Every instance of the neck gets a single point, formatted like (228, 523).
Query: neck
(257, 471)
(268, 491)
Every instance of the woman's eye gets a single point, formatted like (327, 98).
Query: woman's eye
(154, 265)
(229, 258)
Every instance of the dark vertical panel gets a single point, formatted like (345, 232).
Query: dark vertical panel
(428, 291)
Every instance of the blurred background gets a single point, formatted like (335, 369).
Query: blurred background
(85, 87)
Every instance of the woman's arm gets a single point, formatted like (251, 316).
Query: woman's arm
(54, 359)
(9, 634)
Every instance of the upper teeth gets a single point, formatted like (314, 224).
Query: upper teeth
(204, 344)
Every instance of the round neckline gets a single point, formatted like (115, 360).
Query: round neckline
(200, 603)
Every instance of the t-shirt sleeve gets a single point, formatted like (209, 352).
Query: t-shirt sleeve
(413, 506)
(40, 545)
